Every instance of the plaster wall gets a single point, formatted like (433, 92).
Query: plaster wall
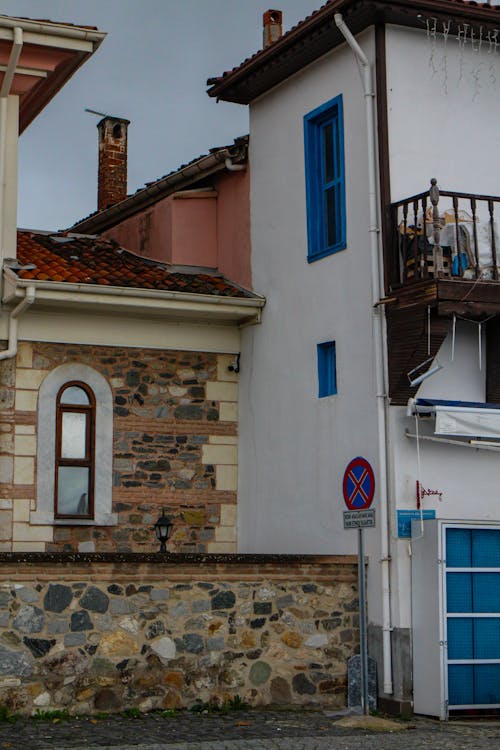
(437, 96)
(181, 229)
(466, 477)
(233, 226)
(294, 446)
(120, 330)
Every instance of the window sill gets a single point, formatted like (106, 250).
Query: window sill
(40, 518)
(325, 253)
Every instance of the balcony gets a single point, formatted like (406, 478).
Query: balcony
(442, 258)
(444, 251)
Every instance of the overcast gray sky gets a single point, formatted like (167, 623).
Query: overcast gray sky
(152, 69)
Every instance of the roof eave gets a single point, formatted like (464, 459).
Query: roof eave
(157, 302)
(82, 41)
(318, 34)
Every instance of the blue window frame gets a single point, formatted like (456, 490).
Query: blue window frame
(327, 369)
(325, 179)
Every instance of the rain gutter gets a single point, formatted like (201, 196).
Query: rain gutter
(237, 309)
(52, 29)
(380, 344)
(163, 187)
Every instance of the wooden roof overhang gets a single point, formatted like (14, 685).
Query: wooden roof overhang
(318, 34)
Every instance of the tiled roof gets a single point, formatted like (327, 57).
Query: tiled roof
(80, 259)
(55, 23)
(276, 63)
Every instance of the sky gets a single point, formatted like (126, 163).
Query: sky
(151, 69)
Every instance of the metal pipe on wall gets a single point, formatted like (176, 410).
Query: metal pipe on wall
(380, 347)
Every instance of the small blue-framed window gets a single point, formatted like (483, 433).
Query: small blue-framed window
(327, 369)
(325, 179)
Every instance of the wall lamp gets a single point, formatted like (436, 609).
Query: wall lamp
(163, 530)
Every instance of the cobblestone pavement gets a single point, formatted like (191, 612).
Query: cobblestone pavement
(250, 730)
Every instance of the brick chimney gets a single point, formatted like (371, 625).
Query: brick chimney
(272, 26)
(112, 174)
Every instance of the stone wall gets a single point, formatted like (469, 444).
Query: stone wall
(95, 633)
(175, 446)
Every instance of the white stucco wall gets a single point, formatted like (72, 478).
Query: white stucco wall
(444, 110)
(294, 447)
(466, 477)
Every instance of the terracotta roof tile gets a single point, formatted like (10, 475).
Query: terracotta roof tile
(80, 259)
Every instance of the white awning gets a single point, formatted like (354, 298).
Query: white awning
(461, 418)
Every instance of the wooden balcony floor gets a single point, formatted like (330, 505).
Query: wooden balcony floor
(472, 298)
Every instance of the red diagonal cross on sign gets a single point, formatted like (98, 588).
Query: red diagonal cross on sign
(358, 484)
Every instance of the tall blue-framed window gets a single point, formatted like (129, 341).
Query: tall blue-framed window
(327, 369)
(325, 179)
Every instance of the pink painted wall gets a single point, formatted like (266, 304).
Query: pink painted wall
(233, 223)
(196, 229)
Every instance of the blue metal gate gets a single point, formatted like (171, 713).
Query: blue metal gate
(472, 595)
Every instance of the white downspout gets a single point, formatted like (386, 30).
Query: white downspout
(379, 344)
(17, 45)
(27, 300)
(234, 167)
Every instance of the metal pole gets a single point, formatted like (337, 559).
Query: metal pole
(363, 641)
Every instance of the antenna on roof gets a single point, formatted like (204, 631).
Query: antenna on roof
(95, 112)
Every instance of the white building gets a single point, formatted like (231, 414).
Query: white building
(346, 132)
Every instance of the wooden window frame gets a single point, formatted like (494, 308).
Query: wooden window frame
(318, 184)
(89, 460)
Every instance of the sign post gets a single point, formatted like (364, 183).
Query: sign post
(359, 489)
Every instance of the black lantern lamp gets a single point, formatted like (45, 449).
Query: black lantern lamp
(163, 530)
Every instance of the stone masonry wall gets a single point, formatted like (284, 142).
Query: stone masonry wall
(175, 446)
(95, 633)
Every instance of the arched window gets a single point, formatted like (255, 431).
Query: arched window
(75, 451)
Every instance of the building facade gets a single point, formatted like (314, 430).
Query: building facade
(374, 299)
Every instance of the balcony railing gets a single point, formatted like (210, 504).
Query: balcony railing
(444, 234)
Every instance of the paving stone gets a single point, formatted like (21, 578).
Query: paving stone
(247, 730)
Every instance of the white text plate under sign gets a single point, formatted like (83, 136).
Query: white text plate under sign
(355, 519)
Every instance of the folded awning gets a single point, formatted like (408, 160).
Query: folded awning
(464, 418)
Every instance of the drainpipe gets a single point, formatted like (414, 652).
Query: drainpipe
(15, 52)
(27, 300)
(379, 344)
(234, 167)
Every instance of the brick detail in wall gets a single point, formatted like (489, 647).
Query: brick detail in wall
(172, 448)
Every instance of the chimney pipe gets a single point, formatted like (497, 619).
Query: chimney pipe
(112, 174)
(272, 26)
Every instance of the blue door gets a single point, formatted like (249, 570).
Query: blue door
(473, 617)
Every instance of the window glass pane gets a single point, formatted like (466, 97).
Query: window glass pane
(331, 212)
(75, 395)
(74, 433)
(328, 156)
(73, 490)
